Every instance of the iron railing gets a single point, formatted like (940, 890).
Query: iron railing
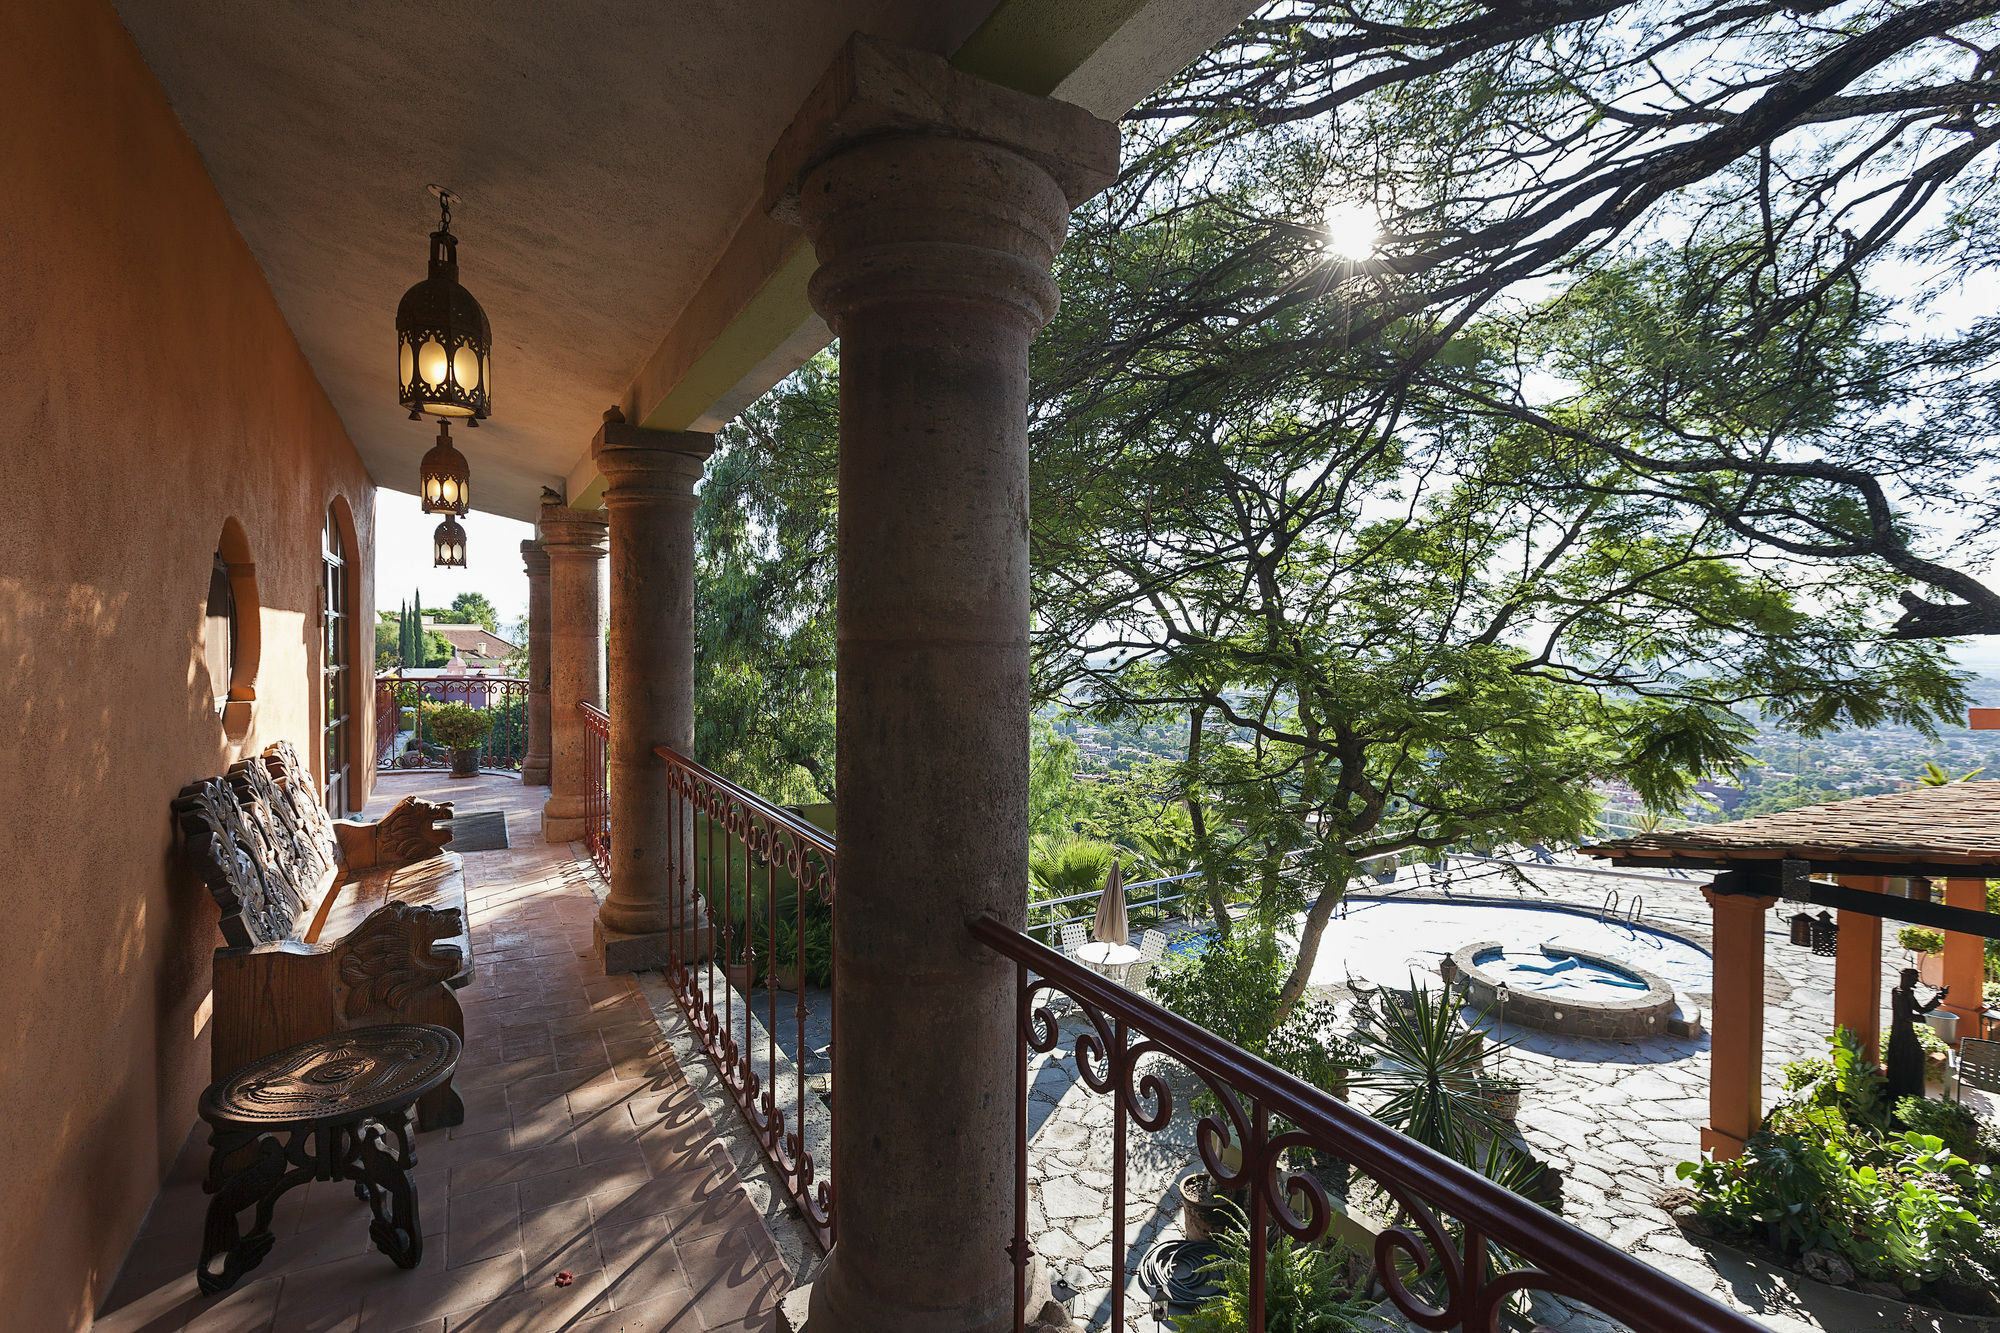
(1445, 1222)
(755, 890)
(597, 786)
(401, 700)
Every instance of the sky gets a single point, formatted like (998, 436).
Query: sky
(492, 559)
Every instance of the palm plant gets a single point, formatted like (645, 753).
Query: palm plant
(1067, 865)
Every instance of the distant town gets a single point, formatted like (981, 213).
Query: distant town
(1790, 770)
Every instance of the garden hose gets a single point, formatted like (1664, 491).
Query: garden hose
(1171, 1271)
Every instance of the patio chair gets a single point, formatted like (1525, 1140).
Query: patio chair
(1978, 1063)
(1152, 948)
(1072, 938)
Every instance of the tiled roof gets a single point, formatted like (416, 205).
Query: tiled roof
(473, 639)
(1954, 824)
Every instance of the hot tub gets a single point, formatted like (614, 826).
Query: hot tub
(1563, 988)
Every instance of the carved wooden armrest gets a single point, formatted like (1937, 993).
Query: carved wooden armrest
(407, 833)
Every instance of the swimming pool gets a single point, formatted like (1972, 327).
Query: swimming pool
(1381, 942)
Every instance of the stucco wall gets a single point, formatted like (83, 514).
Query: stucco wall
(149, 391)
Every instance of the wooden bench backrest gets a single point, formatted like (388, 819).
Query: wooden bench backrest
(263, 846)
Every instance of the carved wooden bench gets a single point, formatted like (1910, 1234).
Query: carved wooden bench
(327, 924)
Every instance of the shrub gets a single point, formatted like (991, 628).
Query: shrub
(1307, 1289)
(457, 726)
(1917, 1205)
(1919, 940)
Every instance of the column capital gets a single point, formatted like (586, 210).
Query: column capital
(535, 557)
(573, 531)
(917, 182)
(875, 88)
(649, 464)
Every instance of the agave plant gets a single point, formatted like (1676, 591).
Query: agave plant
(1430, 1064)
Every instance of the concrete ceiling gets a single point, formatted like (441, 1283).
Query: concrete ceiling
(610, 157)
(606, 153)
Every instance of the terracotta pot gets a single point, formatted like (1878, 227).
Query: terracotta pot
(1501, 1103)
(465, 763)
(738, 975)
(1205, 1213)
(1930, 969)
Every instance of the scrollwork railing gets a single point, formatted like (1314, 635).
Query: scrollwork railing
(754, 900)
(1445, 1223)
(596, 786)
(403, 703)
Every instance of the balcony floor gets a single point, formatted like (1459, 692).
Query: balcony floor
(583, 1150)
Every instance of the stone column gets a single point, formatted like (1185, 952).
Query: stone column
(935, 203)
(651, 475)
(575, 543)
(1736, 1023)
(1965, 958)
(535, 764)
(1857, 969)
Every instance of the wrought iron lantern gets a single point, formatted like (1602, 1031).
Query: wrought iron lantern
(444, 344)
(446, 485)
(1819, 933)
(449, 541)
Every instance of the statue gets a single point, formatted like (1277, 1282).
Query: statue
(1906, 1058)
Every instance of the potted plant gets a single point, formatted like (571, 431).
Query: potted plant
(1501, 1097)
(1928, 946)
(461, 730)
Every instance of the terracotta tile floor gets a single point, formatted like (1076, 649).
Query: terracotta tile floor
(583, 1150)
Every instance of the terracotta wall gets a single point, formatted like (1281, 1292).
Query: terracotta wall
(150, 392)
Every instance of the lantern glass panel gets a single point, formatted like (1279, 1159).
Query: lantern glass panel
(407, 365)
(432, 361)
(465, 365)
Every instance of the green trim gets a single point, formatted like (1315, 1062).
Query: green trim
(1033, 45)
(764, 324)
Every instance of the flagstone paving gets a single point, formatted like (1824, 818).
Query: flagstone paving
(584, 1152)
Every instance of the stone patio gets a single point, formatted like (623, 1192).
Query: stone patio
(584, 1150)
(1615, 1116)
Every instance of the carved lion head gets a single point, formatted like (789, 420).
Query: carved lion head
(395, 953)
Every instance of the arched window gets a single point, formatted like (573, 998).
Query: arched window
(218, 638)
(336, 667)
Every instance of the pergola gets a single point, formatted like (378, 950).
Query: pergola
(1867, 859)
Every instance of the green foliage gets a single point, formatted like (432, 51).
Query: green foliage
(765, 560)
(1918, 939)
(1952, 1123)
(470, 608)
(1057, 803)
(1067, 864)
(1234, 988)
(1431, 1065)
(457, 726)
(1307, 1289)
(1917, 1206)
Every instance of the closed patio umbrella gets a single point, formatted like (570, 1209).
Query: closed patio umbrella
(1110, 927)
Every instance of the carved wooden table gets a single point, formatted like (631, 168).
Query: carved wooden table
(337, 1108)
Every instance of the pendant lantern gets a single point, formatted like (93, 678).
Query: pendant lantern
(446, 479)
(449, 543)
(444, 344)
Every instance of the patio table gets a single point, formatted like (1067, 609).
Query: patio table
(341, 1107)
(1110, 959)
